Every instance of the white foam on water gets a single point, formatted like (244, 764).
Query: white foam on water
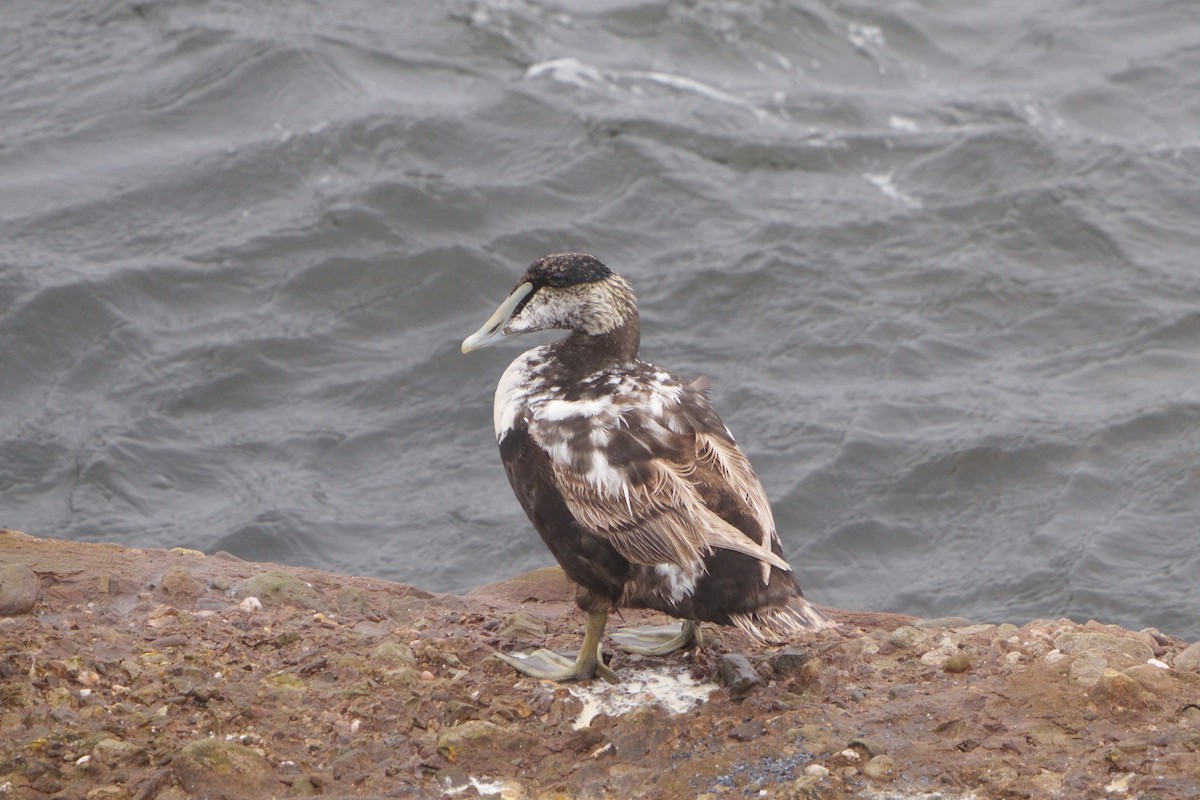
(883, 182)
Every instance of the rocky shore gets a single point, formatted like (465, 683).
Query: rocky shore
(171, 674)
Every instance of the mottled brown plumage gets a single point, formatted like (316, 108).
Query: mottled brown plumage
(627, 473)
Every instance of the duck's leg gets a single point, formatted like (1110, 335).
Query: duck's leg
(551, 666)
(658, 640)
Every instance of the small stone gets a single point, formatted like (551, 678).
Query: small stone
(789, 660)
(736, 672)
(1087, 667)
(1153, 679)
(1007, 631)
(807, 787)
(280, 589)
(179, 585)
(19, 590)
(907, 637)
(1054, 657)
(880, 768)
(1051, 783)
(482, 736)
(748, 731)
(1107, 644)
(452, 780)
(251, 604)
(1188, 659)
(816, 769)
(214, 767)
(957, 663)
(1120, 689)
(110, 791)
(866, 746)
(113, 752)
(522, 626)
(393, 653)
(303, 787)
(902, 690)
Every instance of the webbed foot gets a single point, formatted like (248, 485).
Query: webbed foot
(551, 666)
(548, 665)
(658, 640)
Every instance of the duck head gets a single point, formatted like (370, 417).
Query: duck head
(564, 291)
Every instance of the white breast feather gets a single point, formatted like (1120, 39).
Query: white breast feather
(514, 391)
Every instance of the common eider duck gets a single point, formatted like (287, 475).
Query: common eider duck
(631, 479)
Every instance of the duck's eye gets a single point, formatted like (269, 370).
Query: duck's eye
(557, 280)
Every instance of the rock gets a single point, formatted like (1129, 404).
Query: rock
(110, 791)
(452, 780)
(902, 690)
(748, 731)
(1152, 679)
(481, 735)
(393, 654)
(1087, 667)
(1188, 659)
(114, 752)
(736, 672)
(790, 660)
(643, 731)
(1120, 689)
(808, 787)
(957, 662)
(1051, 783)
(867, 746)
(217, 768)
(19, 590)
(1006, 630)
(302, 787)
(880, 768)
(280, 589)
(178, 585)
(1107, 644)
(907, 637)
(522, 626)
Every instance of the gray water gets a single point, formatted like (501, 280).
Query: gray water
(937, 258)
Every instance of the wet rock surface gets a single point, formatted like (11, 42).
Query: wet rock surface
(146, 674)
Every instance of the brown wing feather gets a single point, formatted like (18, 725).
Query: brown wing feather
(655, 511)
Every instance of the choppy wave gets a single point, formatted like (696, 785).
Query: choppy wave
(938, 262)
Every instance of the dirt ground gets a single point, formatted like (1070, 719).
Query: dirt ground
(170, 674)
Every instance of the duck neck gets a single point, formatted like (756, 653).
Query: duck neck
(587, 353)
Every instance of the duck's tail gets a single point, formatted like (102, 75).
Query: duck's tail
(781, 624)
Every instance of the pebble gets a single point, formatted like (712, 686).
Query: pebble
(1188, 659)
(956, 663)
(1087, 667)
(280, 589)
(880, 768)
(748, 731)
(866, 745)
(907, 637)
(735, 671)
(789, 660)
(250, 605)
(215, 767)
(818, 770)
(1107, 644)
(19, 590)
